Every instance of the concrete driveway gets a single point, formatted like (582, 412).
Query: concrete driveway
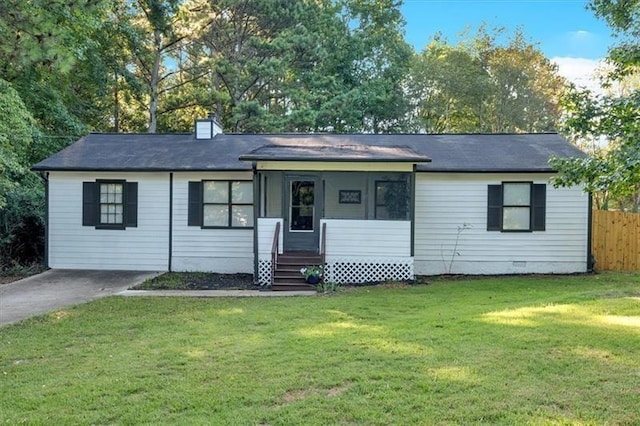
(58, 288)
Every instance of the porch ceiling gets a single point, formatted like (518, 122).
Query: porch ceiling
(338, 153)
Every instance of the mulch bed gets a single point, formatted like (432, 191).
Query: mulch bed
(199, 281)
(222, 282)
(216, 281)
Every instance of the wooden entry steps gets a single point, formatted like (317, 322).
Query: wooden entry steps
(287, 274)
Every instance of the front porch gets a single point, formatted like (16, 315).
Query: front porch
(350, 205)
(352, 251)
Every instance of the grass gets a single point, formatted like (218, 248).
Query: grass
(552, 350)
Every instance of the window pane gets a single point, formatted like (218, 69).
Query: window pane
(517, 194)
(382, 212)
(111, 203)
(216, 192)
(242, 216)
(381, 192)
(301, 219)
(216, 215)
(392, 200)
(242, 192)
(302, 193)
(515, 218)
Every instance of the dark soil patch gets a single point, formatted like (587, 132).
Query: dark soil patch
(199, 281)
(18, 272)
(6, 279)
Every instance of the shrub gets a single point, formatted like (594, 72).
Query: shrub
(22, 224)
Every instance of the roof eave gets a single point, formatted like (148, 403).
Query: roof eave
(452, 170)
(250, 157)
(137, 169)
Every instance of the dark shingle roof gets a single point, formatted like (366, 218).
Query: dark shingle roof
(182, 152)
(324, 152)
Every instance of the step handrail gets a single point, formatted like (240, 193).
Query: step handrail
(274, 251)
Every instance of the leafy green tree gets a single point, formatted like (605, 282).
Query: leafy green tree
(46, 33)
(45, 44)
(290, 65)
(254, 58)
(380, 58)
(448, 87)
(481, 85)
(21, 194)
(613, 172)
(151, 35)
(624, 18)
(525, 88)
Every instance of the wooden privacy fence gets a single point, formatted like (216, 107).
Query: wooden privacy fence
(615, 240)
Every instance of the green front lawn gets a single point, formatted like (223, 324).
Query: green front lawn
(562, 350)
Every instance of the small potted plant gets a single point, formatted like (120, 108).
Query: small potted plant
(312, 274)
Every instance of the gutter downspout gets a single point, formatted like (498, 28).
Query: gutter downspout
(45, 177)
(412, 209)
(256, 213)
(170, 219)
(590, 260)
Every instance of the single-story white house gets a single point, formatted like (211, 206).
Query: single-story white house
(370, 207)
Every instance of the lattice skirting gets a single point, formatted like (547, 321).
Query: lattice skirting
(353, 270)
(264, 271)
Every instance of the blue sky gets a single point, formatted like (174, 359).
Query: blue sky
(564, 30)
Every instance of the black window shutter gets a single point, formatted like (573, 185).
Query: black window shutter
(494, 208)
(131, 201)
(89, 204)
(195, 204)
(538, 207)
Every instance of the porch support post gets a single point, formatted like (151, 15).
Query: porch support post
(256, 213)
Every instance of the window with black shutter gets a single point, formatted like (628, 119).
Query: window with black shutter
(516, 207)
(221, 204)
(110, 204)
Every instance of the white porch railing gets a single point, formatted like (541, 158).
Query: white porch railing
(360, 251)
(356, 251)
(266, 229)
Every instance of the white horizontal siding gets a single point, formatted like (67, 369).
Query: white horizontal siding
(73, 246)
(207, 250)
(368, 238)
(445, 202)
(266, 229)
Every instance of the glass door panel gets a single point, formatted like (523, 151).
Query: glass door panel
(302, 205)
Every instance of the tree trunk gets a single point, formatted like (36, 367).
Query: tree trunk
(116, 105)
(155, 79)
